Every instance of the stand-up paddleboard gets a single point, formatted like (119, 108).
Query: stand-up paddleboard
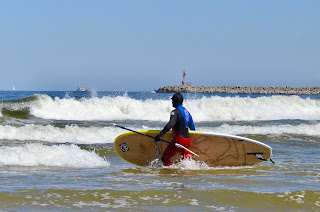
(213, 148)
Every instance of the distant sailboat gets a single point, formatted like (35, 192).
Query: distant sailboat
(13, 88)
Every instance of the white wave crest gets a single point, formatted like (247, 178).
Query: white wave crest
(41, 155)
(249, 109)
(68, 134)
(301, 129)
(202, 109)
(94, 135)
(106, 108)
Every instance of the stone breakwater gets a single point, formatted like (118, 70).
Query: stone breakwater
(240, 90)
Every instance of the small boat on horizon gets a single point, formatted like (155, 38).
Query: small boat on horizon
(81, 88)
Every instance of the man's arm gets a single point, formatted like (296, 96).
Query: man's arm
(169, 125)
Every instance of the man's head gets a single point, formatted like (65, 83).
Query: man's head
(177, 99)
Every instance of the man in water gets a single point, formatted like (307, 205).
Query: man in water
(180, 121)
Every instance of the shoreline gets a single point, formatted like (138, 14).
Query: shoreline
(240, 90)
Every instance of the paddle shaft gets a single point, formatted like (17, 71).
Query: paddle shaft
(176, 144)
(140, 133)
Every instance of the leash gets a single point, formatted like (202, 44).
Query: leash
(259, 156)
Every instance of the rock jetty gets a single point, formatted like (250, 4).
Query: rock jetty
(240, 90)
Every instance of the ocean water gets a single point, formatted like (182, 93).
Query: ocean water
(56, 153)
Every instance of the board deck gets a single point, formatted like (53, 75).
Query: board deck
(213, 148)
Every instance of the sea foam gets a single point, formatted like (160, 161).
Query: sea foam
(101, 135)
(203, 109)
(301, 129)
(105, 108)
(68, 134)
(37, 154)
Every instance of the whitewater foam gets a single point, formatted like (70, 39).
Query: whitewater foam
(194, 165)
(41, 155)
(105, 108)
(95, 135)
(191, 165)
(248, 109)
(203, 109)
(68, 134)
(301, 129)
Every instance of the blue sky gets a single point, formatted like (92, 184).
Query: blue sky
(143, 45)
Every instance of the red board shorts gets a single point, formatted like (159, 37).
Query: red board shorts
(171, 150)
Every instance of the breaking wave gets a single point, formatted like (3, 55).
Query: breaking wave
(41, 155)
(204, 109)
(102, 135)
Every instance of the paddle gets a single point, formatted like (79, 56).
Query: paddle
(176, 144)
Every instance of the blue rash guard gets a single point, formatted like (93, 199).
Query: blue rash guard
(188, 121)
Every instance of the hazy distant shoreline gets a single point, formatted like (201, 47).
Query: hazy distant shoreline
(240, 90)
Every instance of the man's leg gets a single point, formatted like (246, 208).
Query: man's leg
(170, 151)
